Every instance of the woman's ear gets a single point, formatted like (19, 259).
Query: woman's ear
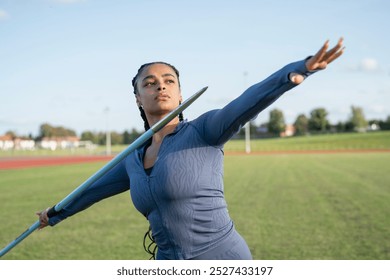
(139, 104)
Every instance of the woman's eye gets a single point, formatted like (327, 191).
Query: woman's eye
(148, 84)
(170, 81)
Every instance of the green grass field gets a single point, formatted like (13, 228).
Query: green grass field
(287, 206)
(332, 142)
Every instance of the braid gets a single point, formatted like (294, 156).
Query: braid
(181, 117)
(135, 90)
(143, 116)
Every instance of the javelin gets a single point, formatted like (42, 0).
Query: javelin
(133, 146)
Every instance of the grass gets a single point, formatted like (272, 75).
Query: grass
(316, 206)
(105, 231)
(312, 206)
(340, 141)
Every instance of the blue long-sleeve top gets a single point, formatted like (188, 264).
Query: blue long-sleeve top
(183, 197)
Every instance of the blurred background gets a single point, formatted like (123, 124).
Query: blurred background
(69, 63)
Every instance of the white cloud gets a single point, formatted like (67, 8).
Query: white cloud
(366, 65)
(369, 65)
(3, 15)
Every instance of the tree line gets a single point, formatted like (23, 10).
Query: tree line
(47, 130)
(315, 123)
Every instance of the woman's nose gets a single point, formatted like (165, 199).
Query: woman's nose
(161, 87)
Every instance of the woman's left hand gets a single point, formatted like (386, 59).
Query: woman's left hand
(323, 57)
(320, 60)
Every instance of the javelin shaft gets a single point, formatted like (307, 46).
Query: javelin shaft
(133, 146)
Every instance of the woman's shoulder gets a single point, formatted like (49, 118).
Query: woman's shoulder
(202, 119)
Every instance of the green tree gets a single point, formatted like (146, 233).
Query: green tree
(47, 130)
(11, 133)
(89, 136)
(385, 125)
(301, 125)
(318, 121)
(101, 138)
(116, 138)
(357, 119)
(276, 123)
(129, 137)
(126, 137)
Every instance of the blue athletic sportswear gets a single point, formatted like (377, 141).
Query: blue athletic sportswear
(183, 197)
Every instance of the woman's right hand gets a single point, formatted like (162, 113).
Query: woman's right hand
(43, 218)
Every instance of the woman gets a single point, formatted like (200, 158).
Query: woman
(176, 179)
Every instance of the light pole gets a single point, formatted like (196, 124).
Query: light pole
(108, 134)
(247, 126)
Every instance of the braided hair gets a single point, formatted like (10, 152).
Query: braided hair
(135, 89)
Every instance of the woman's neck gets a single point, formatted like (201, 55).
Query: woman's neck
(169, 128)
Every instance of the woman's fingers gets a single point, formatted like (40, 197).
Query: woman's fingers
(335, 55)
(335, 52)
(43, 218)
(324, 56)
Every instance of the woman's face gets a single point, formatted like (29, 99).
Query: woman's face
(158, 90)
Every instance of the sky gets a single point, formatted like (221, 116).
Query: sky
(70, 62)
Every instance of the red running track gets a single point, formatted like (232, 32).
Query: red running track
(27, 162)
